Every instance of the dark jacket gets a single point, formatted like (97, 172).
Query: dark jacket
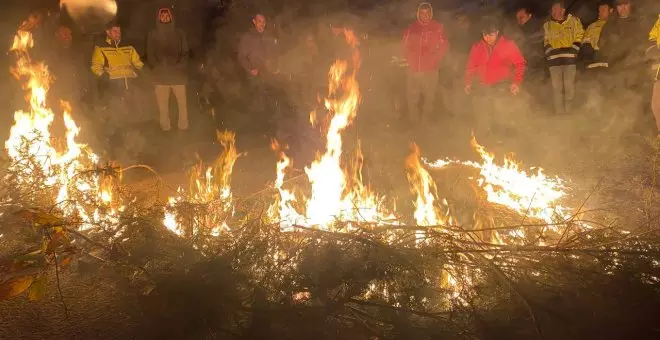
(530, 41)
(167, 52)
(623, 43)
(258, 51)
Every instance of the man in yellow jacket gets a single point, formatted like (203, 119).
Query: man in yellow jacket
(562, 39)
(115, 64)
(653, 53)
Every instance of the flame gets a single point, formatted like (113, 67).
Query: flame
(336, 193)
(60, 167)
(207, 187)
(530, 194)
(423, 187)
(283, 209)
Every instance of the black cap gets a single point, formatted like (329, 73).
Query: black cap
(621, 2)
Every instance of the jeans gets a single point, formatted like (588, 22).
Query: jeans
(163, 101)
(563, 87)
(421, 85)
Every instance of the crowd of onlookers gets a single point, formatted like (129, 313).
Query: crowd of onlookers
(614, 59)
(538, 61)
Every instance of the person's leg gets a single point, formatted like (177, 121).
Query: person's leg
(556, 78)
(182, 103)
(569, 72)
(655, 104)
(430, 91)
(163, 101)
(413, 92)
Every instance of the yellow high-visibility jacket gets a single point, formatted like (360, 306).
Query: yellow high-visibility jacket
(562, 40)
(654, 50)
(590, 45)
(654, 36)
(119, 61)
(592, 34)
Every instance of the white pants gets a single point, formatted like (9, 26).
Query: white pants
(163, 101)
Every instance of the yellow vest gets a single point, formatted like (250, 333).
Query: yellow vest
(119, 61)
(654, 37)
(655, 32)
(592, 34)
(562, 40)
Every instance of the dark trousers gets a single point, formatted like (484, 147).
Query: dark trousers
(497, 113)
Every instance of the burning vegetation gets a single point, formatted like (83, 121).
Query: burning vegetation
(329, 258)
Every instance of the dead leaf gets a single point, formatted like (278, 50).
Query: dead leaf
(15, 286)
(37, 289)
(65, 261)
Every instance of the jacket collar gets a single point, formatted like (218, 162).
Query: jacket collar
(112, 43)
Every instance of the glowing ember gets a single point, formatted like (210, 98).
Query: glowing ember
(87, 196)
(209, 195)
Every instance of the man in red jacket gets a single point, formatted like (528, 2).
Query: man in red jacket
(424, 46)
(498, 67)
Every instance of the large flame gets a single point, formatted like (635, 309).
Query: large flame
(530, 194)
(427, 211)
(61, 167)
(337, 192)
(209, 195)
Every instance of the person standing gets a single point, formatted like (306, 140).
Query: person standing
(116, 65)
(623, 43)
(167, 54)
(562, 39)
(424, 46)
(497, 67)
(595, 65)
(530, 41)
(653, 53)
(590, 50)
(529, 38)
(257, 55)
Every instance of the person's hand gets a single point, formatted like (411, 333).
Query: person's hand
(254, 72)
(468, 89)
(515, 89)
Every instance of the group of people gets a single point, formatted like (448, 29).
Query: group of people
(620, 53)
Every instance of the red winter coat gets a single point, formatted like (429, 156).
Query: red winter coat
(424, 46)
(493, 65)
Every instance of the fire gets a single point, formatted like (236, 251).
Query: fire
(423, 187)
(534, 195)
(209, 195)
(337, 193)
(62, 168)
(283, 210)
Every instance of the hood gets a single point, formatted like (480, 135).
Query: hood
(424, 4)
(165, 28)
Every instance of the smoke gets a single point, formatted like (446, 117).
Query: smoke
(90, 15)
